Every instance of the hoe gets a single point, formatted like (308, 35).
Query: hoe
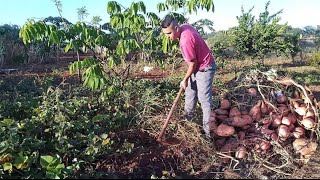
(159, 139)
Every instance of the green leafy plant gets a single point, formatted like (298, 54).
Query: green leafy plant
(315, 59)
(256, 38)
(52, 165)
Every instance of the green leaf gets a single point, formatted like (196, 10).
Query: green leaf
(165, 44)
(110, 90)
(110, 62)
(75, 45)
(4, 145)
(99, 40)
(52, 175)
(7, 122)
(60, 166)
(161, 7)
(91, 83)
(68, 46)
(53, 38)
(7, 166)
(113, 7)
(120, 49)
(21, 162)
(96, 82)
(46, 160)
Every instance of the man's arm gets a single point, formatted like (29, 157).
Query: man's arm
(191, 68)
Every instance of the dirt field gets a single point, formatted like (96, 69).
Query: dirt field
(164, 161)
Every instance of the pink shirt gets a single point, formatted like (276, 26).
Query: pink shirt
(194, 47)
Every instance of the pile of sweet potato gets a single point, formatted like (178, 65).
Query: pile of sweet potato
(286, 117)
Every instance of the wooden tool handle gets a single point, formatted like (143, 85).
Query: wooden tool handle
(169, 115)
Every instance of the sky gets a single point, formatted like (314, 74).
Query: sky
(297, 13)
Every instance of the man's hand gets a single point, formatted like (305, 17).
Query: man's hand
(184, 84)
(191, 67)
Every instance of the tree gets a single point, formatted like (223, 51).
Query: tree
(313, 32)
(221, 45)
(242, 38)
(82, 13)
(95, 21)
(260, 37)
(201, 24)
(268, 35)
(135, 30)
(57, 21)
(12, 50)
(293, 46)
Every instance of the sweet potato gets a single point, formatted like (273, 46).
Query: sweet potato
(282, 98)
(225, 130)
(296, 94)
(265, 145)
(309, 113)
(298, 132)
(267, 131)
(212, 124)
(241, 152)
(274, 136)
(225, 104)
(309, 149)
(246, 127)
(286, 120)
(229, 147)
(264, 107)
(221, 111)
(283, 131)
(213, 114)
(284, 110)
(291, 127)
(277, 119)
(234, 112)
(244, 113)
(301, 110)
(252, 92)
(298, 144)
(292, 118)
(304, 147)
(308, 123)
(255, 111)
(295, 104)
(241, 135)
(222, 117)
(240, 121)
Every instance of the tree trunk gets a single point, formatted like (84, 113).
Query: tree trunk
(1, 60)
(292, 57)
(301, 56)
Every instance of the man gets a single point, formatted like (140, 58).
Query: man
(198, 80)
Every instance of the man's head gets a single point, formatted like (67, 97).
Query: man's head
(170, 27)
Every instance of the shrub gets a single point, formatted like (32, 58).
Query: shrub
(315, 59)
